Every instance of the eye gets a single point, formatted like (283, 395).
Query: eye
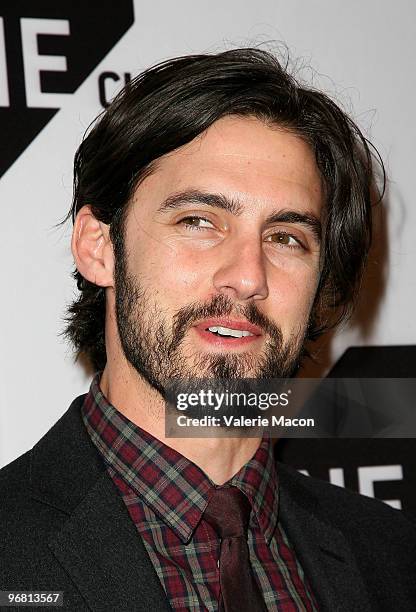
(196, 223)
(285, 240)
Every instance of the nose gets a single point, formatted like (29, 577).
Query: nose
(241, 273)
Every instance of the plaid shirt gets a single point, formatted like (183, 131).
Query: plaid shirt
(166, 495)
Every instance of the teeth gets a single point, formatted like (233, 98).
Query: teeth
(226, 331)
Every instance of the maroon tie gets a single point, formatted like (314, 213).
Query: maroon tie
(228, 512)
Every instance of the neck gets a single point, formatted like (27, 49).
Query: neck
(220, 458)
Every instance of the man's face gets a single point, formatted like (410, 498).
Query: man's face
(221, 254)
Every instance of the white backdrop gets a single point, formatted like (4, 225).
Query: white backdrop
(362, 53)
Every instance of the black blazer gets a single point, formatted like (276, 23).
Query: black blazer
(63, 526)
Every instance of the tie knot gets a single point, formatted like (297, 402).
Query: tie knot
(228, 512)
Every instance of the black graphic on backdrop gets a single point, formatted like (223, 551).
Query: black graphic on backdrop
(358, 464)
(49, 47)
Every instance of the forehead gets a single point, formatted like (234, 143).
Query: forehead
(244, 158)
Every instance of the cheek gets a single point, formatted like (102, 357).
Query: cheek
(178, 277)
(292, 297)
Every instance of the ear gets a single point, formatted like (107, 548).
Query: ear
(92, 248)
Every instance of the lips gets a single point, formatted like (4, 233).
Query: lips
(230, 323)
(227, 340)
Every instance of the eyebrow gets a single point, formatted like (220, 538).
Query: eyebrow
(217, 200)
(233, 206)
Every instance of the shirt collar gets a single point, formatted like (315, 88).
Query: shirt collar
(174, 487)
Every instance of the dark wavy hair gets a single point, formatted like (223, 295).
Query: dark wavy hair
(170, 104)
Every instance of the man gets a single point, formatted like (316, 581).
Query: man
(221, 213)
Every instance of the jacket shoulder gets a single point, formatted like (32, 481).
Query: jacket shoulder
(30, 515)
(14, 480)
(16, 477)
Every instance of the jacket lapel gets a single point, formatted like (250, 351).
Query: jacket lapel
(324, 553)
(98, 545)
(102, 552)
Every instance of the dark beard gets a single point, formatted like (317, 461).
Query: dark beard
(154, 350)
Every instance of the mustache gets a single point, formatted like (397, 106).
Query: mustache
(222, 305)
